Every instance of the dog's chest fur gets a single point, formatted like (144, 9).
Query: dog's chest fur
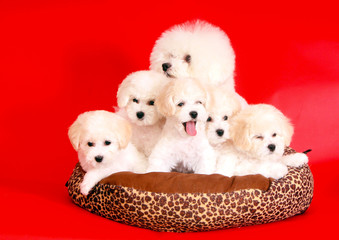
(188, 152)
(144, 138)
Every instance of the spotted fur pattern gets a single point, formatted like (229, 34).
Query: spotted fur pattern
(191, 212)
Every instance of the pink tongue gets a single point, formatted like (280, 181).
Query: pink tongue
(190, 128)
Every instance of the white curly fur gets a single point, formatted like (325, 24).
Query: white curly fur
(137, 94)
(102, 140)
(212, 58)
(198, 50)
(224, 105)
(253, 132)
(183, 140)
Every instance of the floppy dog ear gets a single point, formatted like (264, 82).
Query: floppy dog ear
(288, 131)
(124, 133)
(235, 103)
(209, 97)
(165, 102)
(123, 94)
(74, 132)
(240, 134)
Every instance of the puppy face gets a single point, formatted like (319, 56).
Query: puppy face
(262, 131)
(98, 136)
(137, 94)
(185, 101)
(198, 50)
(224, 105)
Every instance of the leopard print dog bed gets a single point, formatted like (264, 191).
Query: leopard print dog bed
(178, 202)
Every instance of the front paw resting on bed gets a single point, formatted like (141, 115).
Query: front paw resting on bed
(295, 159)
(91, 178)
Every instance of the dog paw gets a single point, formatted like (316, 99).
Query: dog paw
(282, 173)
(85, 188)
(296, 159)
(275, 171)
(279, 171)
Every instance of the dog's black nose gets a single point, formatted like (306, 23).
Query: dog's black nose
(271, 147)
(140, 115)
(194, 114)
(166, 66)
(220, 132)
(98, 158)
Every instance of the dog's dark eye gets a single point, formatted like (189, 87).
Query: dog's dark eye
(188, 58)
(198, 102)
(107, 142)
(181, 104)
(209, 119)
(90, 144)
(259, 137)
(151, 103)
(225, 118)
(135, 100)
(274, 135)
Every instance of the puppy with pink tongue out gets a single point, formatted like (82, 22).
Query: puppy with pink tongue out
(183, 145)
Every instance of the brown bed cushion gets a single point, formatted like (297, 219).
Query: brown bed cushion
(187, 183)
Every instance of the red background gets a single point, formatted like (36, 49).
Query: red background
(61, 58)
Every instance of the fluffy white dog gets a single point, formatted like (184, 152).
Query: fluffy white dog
(198, 50)
(136, 99)
(195, 49)
(224, 105)
(102, 140)
(259, 134)
(183, 145)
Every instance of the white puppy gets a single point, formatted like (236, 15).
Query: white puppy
(224, 105)
(260, 134)
(195, 49)
(136, 98)
(183, 145)
(102, 140)
(198, 50)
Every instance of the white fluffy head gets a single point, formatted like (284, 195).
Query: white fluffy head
(195, 49)
(261, 131)
(137, 95)
(98, 136)
(184, 100)
(224, 105)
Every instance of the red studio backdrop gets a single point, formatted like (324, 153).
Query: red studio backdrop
(61, 58)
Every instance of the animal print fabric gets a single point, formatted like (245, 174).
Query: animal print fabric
(192, 212)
